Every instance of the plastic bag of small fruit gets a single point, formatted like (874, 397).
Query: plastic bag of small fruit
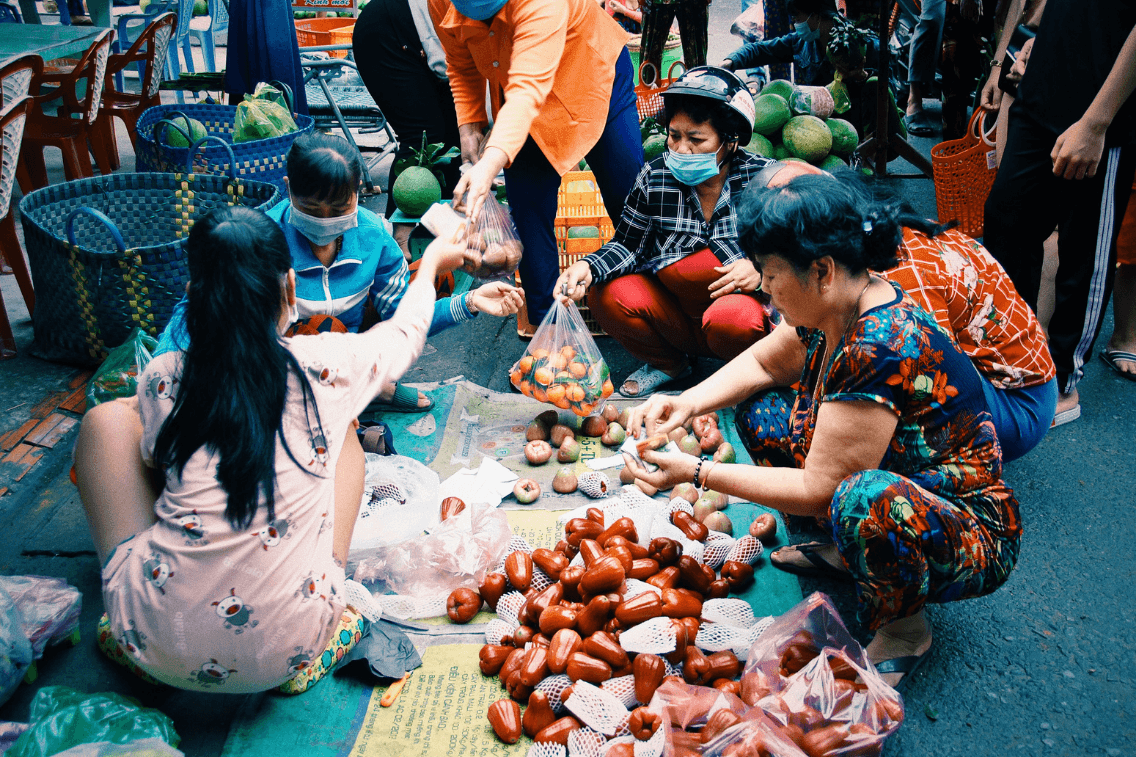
(493, 249)
(563, 366)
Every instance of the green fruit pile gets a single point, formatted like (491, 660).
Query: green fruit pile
(793, 123)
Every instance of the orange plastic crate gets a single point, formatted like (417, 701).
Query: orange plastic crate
(311, 32)
(573, 209)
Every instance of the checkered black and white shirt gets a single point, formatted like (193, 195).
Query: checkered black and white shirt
(662, 222)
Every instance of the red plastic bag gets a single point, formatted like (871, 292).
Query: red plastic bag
(563, 366)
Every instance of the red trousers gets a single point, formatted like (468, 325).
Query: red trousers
(662, 318)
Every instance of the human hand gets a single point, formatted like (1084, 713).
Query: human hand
(726, 64)
(616, 7)
(1078, 150)
(1018, 70)
(674, 468)
(444, 254)
(739, 277)
(573, 282)
(496, 298)
(660, 414)
(471, 137)
(991, 98)
(476, 183)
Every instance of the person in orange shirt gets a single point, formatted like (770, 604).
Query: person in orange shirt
(561, 89)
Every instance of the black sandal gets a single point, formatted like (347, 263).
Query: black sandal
(820, 567)
(905, 666)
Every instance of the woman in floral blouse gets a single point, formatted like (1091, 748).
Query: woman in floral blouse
(886, 425)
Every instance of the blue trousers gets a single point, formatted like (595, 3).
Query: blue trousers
(531, 184)
(1021, 416)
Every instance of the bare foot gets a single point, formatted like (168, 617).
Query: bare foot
(792, 556)
(1067, 401)
(901, 638)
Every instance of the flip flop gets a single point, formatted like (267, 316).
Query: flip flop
(1066, 416)
(1111, 356)
(820, 567)
(920, 124)
(404, 400)
(649, 379)
(903, 665)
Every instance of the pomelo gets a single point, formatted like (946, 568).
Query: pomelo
(194, 128)
(782, 87)
(655, 146)
(771, 112)
(759, 145)
(415, 190)
(808, 138)
(583, 232)
(844, 136)
(812, 101)
(781, 152)
(832, 163)
(201, 8)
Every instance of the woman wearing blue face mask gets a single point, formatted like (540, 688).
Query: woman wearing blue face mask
(673, 282)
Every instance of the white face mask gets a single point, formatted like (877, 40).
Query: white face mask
(322, 231)
(806, 32)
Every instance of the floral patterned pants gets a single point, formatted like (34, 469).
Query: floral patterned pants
(904, 545)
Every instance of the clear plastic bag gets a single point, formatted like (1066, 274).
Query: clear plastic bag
(63, 718)
(493, 249)
(458, 553)
(562, 365)
(261, 115)
(49, 607)
(400, 501)
(117, 377)
(15, 649)
(756, 734)
(750, 24)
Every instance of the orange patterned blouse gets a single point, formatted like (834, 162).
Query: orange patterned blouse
(955, 279)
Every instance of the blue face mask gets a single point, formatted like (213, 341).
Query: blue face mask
(479, 10)
(322, 231)
(806, 32)
(693, 169)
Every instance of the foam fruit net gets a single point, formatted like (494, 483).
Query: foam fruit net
(622, 688)
(596, 708)
(497, 629)
(586, 743)
(509, 606)
(733, 612)
(358, 597)
(546, 749)
(747, 549)
(714, 553)
(553, 687)
(655, 636)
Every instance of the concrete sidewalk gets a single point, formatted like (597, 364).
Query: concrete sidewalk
(1043, 666)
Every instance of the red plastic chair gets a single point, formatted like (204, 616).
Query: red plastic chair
(13, 118)
(15, 83)
(70, 135)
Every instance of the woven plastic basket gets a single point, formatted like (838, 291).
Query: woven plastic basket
(649, 90)
(260, 159)
(108, 254)
(577, 205)
(964, 172)
(313, 32)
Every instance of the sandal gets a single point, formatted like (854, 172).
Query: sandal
(649, 379)
(920, 124)
(1066, 416)
(1110, 356)
(905, 666)
(820, 567)
(404, 400)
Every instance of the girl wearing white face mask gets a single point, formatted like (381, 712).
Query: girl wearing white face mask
(812, 22)
(673, 282)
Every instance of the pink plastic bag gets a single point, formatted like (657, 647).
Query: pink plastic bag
(50, 608)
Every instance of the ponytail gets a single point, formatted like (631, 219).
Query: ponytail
(234, 382)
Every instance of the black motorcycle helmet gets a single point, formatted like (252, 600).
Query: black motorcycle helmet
(736, 112)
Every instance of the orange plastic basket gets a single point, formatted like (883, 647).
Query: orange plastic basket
(579, 207)
(311, 32)
(964, 172)
(649, 90)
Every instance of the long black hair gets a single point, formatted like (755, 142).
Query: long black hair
(811, 216)
(323, 167)
(234, 381)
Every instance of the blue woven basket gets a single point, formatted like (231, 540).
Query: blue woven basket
(108, 253)
(260, 159)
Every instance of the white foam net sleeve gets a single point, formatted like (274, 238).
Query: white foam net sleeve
(715, 551)
(596, 708)
(518, 544)
(695, 549)
(579, 512)
(358, 597)
(623, 688)
(642, 513)
(747, 550)
(625, 739)
(546, 749)
(716, 637)
(496, 629)
(586, 742)
(672, 670)
(540, 579)
(509, 606)
(624, 729)
(577, 560)
(632, 494)
(636, 587)
(731, 611)
(652, 747)
(661, 526)
(553, 686)
(595, 484)
(613, 509)
(655, 636)
(404, 606)
(676, 504)
(759, 627)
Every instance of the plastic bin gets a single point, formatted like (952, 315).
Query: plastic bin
(311, 32)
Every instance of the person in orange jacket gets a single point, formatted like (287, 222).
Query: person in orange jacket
(561, 90)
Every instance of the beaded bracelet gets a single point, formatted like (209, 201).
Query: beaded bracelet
(697, 470)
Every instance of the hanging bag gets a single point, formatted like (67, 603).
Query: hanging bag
(649, 90)
(964, 172)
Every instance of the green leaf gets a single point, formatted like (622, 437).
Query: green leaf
(930, 712)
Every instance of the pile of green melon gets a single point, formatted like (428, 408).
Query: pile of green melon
(795, 123)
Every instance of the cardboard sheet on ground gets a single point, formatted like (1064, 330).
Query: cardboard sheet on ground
(442, 709)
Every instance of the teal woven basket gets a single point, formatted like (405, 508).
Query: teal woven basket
(108, 254)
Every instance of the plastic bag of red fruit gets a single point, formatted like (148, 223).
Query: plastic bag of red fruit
(563, 366)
